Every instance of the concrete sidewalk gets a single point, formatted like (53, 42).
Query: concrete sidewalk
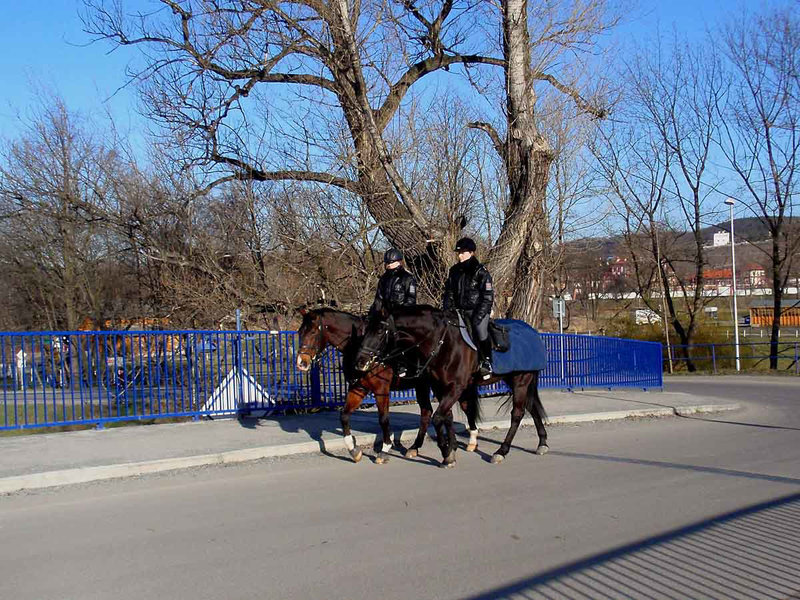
(46, 460)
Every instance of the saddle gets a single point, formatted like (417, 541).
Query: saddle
(498, 334)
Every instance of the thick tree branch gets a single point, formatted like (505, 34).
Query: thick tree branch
(497, 141)
(598, 112)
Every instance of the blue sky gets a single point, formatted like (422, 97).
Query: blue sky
(42, 45)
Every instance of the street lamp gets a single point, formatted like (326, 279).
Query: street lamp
(730, 202)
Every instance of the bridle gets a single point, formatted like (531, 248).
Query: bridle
(314, 353)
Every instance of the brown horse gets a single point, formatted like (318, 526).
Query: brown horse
(451, 365)
(322, 327)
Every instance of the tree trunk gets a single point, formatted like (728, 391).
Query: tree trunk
(684, 334)
(385, 194)
(777, 300)
(516, 260)
(528, 283)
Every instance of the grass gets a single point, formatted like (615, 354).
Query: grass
(33, 417)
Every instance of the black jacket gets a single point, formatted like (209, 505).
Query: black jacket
(469, 287)
(395, 288)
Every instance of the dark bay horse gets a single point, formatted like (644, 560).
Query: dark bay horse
(322, 327)
(452, 366)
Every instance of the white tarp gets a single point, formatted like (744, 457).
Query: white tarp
(227, 394)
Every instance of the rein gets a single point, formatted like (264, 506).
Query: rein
(392, 329)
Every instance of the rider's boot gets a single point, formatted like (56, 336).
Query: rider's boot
(485, 359)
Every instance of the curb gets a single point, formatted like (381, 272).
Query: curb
(48, 479)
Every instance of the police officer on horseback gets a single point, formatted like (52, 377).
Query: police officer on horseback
(396, 287)
(469, 289)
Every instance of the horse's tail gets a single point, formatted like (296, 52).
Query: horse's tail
(534, 404)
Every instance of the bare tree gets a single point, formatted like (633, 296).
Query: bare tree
(761, 133)
(55, 197)
(657, 169)
(522, 252)
(258, 87)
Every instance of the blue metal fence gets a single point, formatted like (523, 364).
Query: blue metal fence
(78, 378)
(753, 356)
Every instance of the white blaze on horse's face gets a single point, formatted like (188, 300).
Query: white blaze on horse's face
(307, 352)
(304, 362)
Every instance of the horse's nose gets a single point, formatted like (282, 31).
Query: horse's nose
(303, 363)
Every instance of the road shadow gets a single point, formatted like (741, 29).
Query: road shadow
(753, 552)
(645, 462)
(325, 426)
(740, 423)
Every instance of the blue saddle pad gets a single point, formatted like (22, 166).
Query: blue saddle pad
(526, 351)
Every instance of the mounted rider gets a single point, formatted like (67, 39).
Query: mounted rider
(469, 289)
(396, 287)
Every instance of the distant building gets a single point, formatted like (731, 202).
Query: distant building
(716, 278)
(617, 271)
(136, 323)
(762, 310)
(755, 276)
(619, 267)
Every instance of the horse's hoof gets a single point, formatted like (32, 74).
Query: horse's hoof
(450, 460)
(411, 453)
(497, 459)
(471, 447)
(542, 450)
(381, 459)
(356, 454)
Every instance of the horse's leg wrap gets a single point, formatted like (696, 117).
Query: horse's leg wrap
(383, 454)
(350, 444)
(473, 440)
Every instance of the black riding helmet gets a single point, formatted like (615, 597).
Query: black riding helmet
(392, 255)
(466, 244)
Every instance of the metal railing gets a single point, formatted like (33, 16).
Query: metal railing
(79, 378)
(754, 356)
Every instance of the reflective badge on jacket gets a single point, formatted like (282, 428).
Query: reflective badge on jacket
(488, 286)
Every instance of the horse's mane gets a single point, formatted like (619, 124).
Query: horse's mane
(437, 315)
(416, 310)
(328, 310)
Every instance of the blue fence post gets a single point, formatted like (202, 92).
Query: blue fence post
(316, 385)
(238, 358)
(796, 364)
(714, 357)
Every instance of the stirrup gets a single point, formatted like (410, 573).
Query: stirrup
(485, 370)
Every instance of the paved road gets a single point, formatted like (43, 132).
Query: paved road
(663, 508)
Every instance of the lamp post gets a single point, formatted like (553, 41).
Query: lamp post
(730, 202)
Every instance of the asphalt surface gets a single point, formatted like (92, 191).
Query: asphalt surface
(51, 459)
(705, 506)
